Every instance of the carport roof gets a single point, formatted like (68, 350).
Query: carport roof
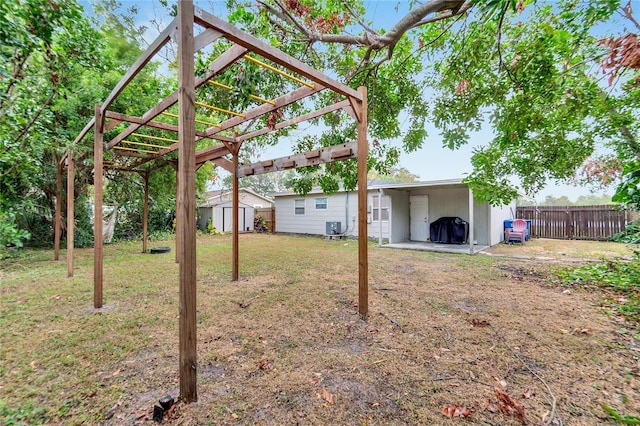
(373, 184)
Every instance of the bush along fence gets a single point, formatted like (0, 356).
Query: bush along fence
(598, 223)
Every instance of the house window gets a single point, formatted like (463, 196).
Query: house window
(321, 203)
(376, 208)
(299, 206)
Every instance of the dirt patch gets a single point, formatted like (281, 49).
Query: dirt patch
(285, 345)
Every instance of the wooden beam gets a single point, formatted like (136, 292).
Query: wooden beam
(157, 125)
(84, 131)
(234, 221)
(97, 211)
(58, 216)
(224, 163)
(70, 213)
(205, 38)
(320, 156)
(233, 34)
(111, 124)
(145, 212)
(142, 60)
(363, 249)
(211, 153)
(187, 203)
(221, 63)
(294, 121)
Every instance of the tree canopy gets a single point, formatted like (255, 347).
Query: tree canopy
(557, 84)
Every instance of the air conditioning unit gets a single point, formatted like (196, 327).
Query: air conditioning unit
(333, 228)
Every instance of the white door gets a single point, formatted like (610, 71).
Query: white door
(419, 217)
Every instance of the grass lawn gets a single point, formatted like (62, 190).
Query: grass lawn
(284, 345)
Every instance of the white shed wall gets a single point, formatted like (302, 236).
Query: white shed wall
(399, 215)
(497, 217)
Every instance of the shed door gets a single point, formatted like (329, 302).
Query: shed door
(227, 219)
(419, 217)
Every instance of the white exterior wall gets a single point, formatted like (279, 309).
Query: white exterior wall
(497, 217)
(314, 221)
(399, 215)
(481, 223)
(341, 207)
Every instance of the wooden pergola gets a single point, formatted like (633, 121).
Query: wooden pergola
(144, 158)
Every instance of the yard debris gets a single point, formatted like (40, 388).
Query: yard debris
(509, 406)
(327, 396)
(264, 364)
(503, 383)
(158, 413)
(528, 393)
(479, 323)
(455, 410)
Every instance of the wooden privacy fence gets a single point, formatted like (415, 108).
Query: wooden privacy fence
(575, 222)
(269, 215)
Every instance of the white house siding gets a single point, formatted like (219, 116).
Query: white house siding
(341, 207)
(497, 217)
(314, 221)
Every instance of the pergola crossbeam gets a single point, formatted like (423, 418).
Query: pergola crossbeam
(312, 158)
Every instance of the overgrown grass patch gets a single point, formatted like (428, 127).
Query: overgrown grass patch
(619, 280)
(441, 327)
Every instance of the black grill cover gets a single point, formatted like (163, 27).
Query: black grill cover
(451, 230)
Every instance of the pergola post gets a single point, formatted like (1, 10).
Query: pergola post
(235, 208)
(145, 213)
(174, 166)
(70, 213)
(97, 209)
(57, 224)
(187, 202)
(363, 261)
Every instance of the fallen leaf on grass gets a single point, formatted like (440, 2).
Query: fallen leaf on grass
(509, 406)
(314, 380)
(501, 382)
(33, 365)
(328, 396)
(479, 323)
(115, 373)
(456, 411)
(528, 393)
(56, 297)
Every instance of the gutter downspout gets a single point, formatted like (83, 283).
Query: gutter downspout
(346, 212)
(471, 221)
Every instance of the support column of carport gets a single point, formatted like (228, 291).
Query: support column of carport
(471, 221)
(187, 203)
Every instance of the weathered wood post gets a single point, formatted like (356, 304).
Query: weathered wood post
(363, 252)
(235, 208)
(145, 212)
(70, 213)
(58, 218)
(97, 209)
(187, 202)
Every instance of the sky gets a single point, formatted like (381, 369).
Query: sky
(432, 161)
